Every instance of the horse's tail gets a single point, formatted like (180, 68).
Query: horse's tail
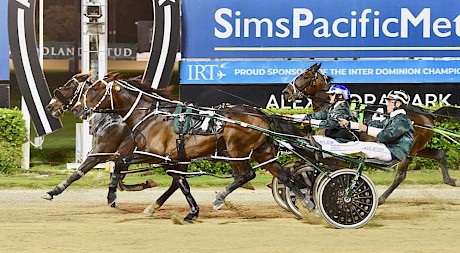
(448, 112)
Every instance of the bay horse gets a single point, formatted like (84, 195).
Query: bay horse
(313, 83)
(111, 136)
(150, 114)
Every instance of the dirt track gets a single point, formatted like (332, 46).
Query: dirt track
(415, 219)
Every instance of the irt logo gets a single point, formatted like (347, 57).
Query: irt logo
(203, 72)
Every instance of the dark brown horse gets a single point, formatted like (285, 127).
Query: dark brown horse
(111, 137)
(313, 83)
(150, 115)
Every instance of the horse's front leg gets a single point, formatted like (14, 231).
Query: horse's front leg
(151, 209)
(121, 164)
(87, 165)
(399, 177)
(244, 174)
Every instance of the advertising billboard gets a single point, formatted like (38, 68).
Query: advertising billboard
(312, 29)
(4, 49)
(344, 71)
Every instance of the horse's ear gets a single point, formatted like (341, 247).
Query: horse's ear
(316, 66)
(319, 65)
(82, 76)
(113, 76)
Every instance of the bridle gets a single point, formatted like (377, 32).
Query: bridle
(107, 93)
(299, 92)
(76, 94)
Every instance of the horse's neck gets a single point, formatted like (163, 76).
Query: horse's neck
(319, 101)
(147, 108)
(418, 116)
(131, 111)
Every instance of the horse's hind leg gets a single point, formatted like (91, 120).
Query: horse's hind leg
(399, 177)
(244, 174)
(440, 156)
(185, 188)
(288, 180)
(149, 183)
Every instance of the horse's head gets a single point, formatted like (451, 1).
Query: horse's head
(306, 83)
(67, 95)
(96, 96)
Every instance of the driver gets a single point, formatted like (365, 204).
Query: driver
(395, 134)
(328, 119)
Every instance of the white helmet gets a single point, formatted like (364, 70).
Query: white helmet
(399, 95)
(339, 89)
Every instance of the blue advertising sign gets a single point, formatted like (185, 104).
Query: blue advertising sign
(4, 49)
(362, 71)
(320, 29)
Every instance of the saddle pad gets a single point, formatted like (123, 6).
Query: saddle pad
(203, 125)
(186, 122)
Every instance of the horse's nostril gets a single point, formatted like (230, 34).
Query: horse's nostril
(285, 95)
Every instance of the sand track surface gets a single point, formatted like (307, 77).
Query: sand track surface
(414, 219)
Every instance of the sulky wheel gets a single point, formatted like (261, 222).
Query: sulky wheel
(302, 175)
(278, 187)
(343, 212)
(316, 185)
(278, 193)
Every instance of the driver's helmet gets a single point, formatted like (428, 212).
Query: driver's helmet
(399, 95)
(339, 89)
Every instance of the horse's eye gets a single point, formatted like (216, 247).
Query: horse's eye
(305, 77)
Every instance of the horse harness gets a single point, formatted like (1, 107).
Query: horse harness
(186, 121)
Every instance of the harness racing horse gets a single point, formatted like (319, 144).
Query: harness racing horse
(314, 84)
(111, 137)
(150, 114)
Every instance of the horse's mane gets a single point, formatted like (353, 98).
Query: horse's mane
(420, 110)
(145, 86)
(328, 79)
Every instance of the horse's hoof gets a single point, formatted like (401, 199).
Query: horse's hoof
(217, 204)
(188, 222)
(111, 198)
(47, 196)
(151, 209)
(150, 183)
(451, 182)
(309, 205)
(112, 205)
(248, 186)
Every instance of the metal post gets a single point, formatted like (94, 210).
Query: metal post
(93, 59)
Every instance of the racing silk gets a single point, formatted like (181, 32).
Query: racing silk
(329, 120)
(396, 132)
